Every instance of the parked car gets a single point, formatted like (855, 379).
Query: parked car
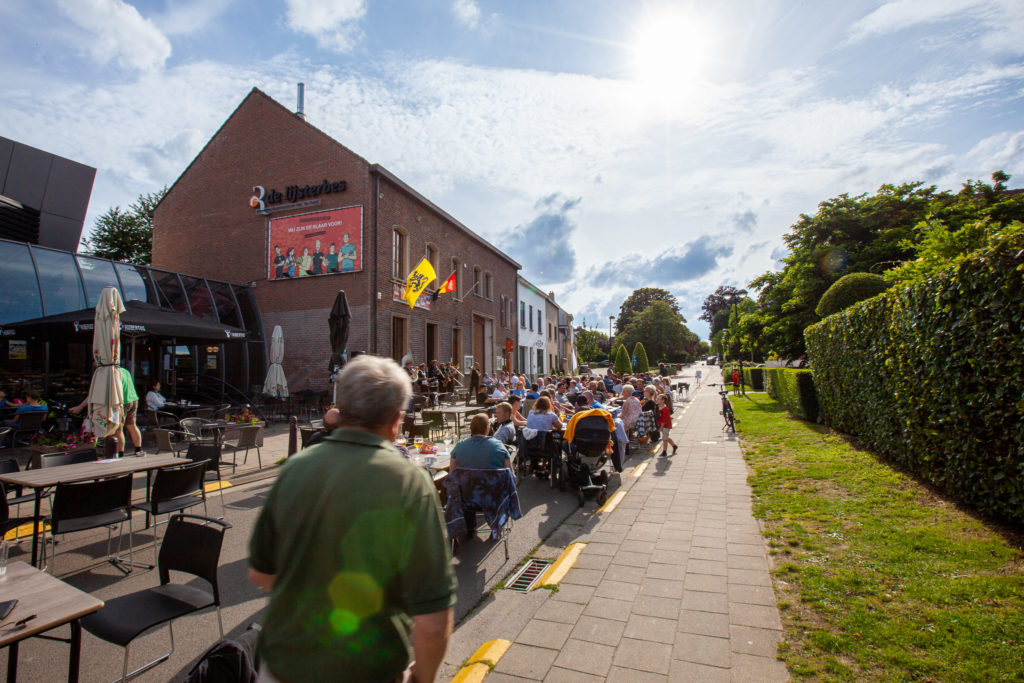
(712, 360)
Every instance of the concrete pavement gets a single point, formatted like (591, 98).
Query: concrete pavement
(673, 584)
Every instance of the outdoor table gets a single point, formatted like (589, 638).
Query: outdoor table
(218, 427)
(42, 479)
(459, 412)
(52, 602)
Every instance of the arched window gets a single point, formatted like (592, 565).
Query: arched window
(488, 286)
(477, 284)
(457, 269)
(431, 255)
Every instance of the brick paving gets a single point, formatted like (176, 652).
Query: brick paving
(674, 583)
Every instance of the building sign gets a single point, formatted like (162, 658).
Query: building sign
(261, 196)
(425, 300)
(320, 243)
(17, 350)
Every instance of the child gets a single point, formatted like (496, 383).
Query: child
(665, 423)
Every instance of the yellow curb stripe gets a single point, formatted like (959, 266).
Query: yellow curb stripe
(23, 531)
(612, 502)
(483, 660)
(217, 486)
(639, 469)
(557, 571)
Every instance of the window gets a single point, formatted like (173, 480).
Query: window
(398, 269)
(522, 314)
(476, 281)
(511, 312)
(431, 255)
(19, 289)
(540, 325)
(531, 318)
(58, 278)
(97, 274)
(488, 286)
(456, 268)
(504, 312)
(550, 336)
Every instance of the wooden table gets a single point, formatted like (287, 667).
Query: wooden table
(53, 602)
(51, 476)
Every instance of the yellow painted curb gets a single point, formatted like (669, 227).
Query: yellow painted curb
(612, 502)
(639, 469)
(557, 571)
(23, 531)
(217, 486)
(483, 660)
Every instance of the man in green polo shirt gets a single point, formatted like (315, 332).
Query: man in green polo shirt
(351, 546)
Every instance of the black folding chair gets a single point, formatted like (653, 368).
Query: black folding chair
(247, 439)
(192, 547)
(79, 506)
(70, 458)
(211, 454)
(28, 423)
(8, 523)
(174, 489)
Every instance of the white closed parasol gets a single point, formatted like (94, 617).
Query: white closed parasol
(276, 384)
(106, 398)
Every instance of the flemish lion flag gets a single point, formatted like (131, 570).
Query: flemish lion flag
(421, 276)
(449, 285)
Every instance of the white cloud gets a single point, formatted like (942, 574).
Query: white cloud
(117, 31)
(186, 17)
(1002, 20)
(333, 23)
(466, 12)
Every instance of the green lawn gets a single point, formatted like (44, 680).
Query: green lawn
(877, 577)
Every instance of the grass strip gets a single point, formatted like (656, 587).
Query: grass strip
(878, 577)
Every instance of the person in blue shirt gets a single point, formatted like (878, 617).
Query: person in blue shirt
(4, 403)
(479, 451)
(33, 403)
(542, 418)
(534, 392)
(520, 390)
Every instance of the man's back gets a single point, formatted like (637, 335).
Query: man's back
(354, 535)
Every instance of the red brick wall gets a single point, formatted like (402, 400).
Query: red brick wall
(205, 226)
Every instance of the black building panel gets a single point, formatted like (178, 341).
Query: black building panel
(59, 232)
(27, 175)
(6, 149)
(68, 190)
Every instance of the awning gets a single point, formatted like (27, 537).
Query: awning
(140, 319)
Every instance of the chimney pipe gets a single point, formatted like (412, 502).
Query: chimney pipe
(301, 106)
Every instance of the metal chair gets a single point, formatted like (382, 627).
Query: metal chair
(435, 421)
(8, 523)
(79, 506)
(171, 440)
(174, 489)
(10, 466)
(209, 452)
(4, 433)
(69, 458)
(191, 547)
(247, 437)
(28, 423)
(193, 427)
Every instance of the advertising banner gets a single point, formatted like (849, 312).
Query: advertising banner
(320, 243)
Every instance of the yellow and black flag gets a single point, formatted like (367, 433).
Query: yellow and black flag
(421, 276)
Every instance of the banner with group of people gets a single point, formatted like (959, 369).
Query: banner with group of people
(321, 243)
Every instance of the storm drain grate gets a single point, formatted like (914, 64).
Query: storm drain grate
(524, 579)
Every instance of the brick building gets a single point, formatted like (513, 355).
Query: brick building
(273, 201)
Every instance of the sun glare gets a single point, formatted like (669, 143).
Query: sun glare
(672, 48)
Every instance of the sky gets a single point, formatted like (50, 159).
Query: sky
(605, 145)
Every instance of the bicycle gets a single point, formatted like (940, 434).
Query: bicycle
(727, 413)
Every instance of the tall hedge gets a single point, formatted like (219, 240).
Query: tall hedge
(640, 353)
(930, 375)
(753, 377)
(795, 389)
(622, 362)
(848, 290)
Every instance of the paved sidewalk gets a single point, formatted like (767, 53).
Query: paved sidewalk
(673, 584)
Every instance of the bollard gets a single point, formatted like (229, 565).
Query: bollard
(293, 435)
(110, 447)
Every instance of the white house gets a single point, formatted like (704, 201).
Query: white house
(531, 356)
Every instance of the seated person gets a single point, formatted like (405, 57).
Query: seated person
(498, 395)
(332, 420)
(33, 403)
(517, 418)
(534, 391)
(542, 417)
(479, 451)
(520, 389)
(505, 431)
(630, 407)
(154, 400)
(4, 403)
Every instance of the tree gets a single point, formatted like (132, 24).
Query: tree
(640, 353)
(724, 298)
(662, 332)
(848, 290)
(639, 300)
(590, 344)
(623, 365)
(125, 235)
(720, 321)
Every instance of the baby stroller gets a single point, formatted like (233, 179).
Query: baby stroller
(588, 435)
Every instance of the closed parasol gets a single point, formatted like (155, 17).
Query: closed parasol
(276, 384)
(106, 398)
(338, 322)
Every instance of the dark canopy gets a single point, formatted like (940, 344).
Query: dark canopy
(139, 319)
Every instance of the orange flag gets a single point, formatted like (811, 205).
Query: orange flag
(449, 284)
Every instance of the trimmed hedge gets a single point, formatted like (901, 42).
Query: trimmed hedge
(930, 374)
(754, 378)
(641, 358)
(848, 290)
(623, 365)
(794, 389)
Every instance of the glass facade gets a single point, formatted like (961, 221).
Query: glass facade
(37, 281)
